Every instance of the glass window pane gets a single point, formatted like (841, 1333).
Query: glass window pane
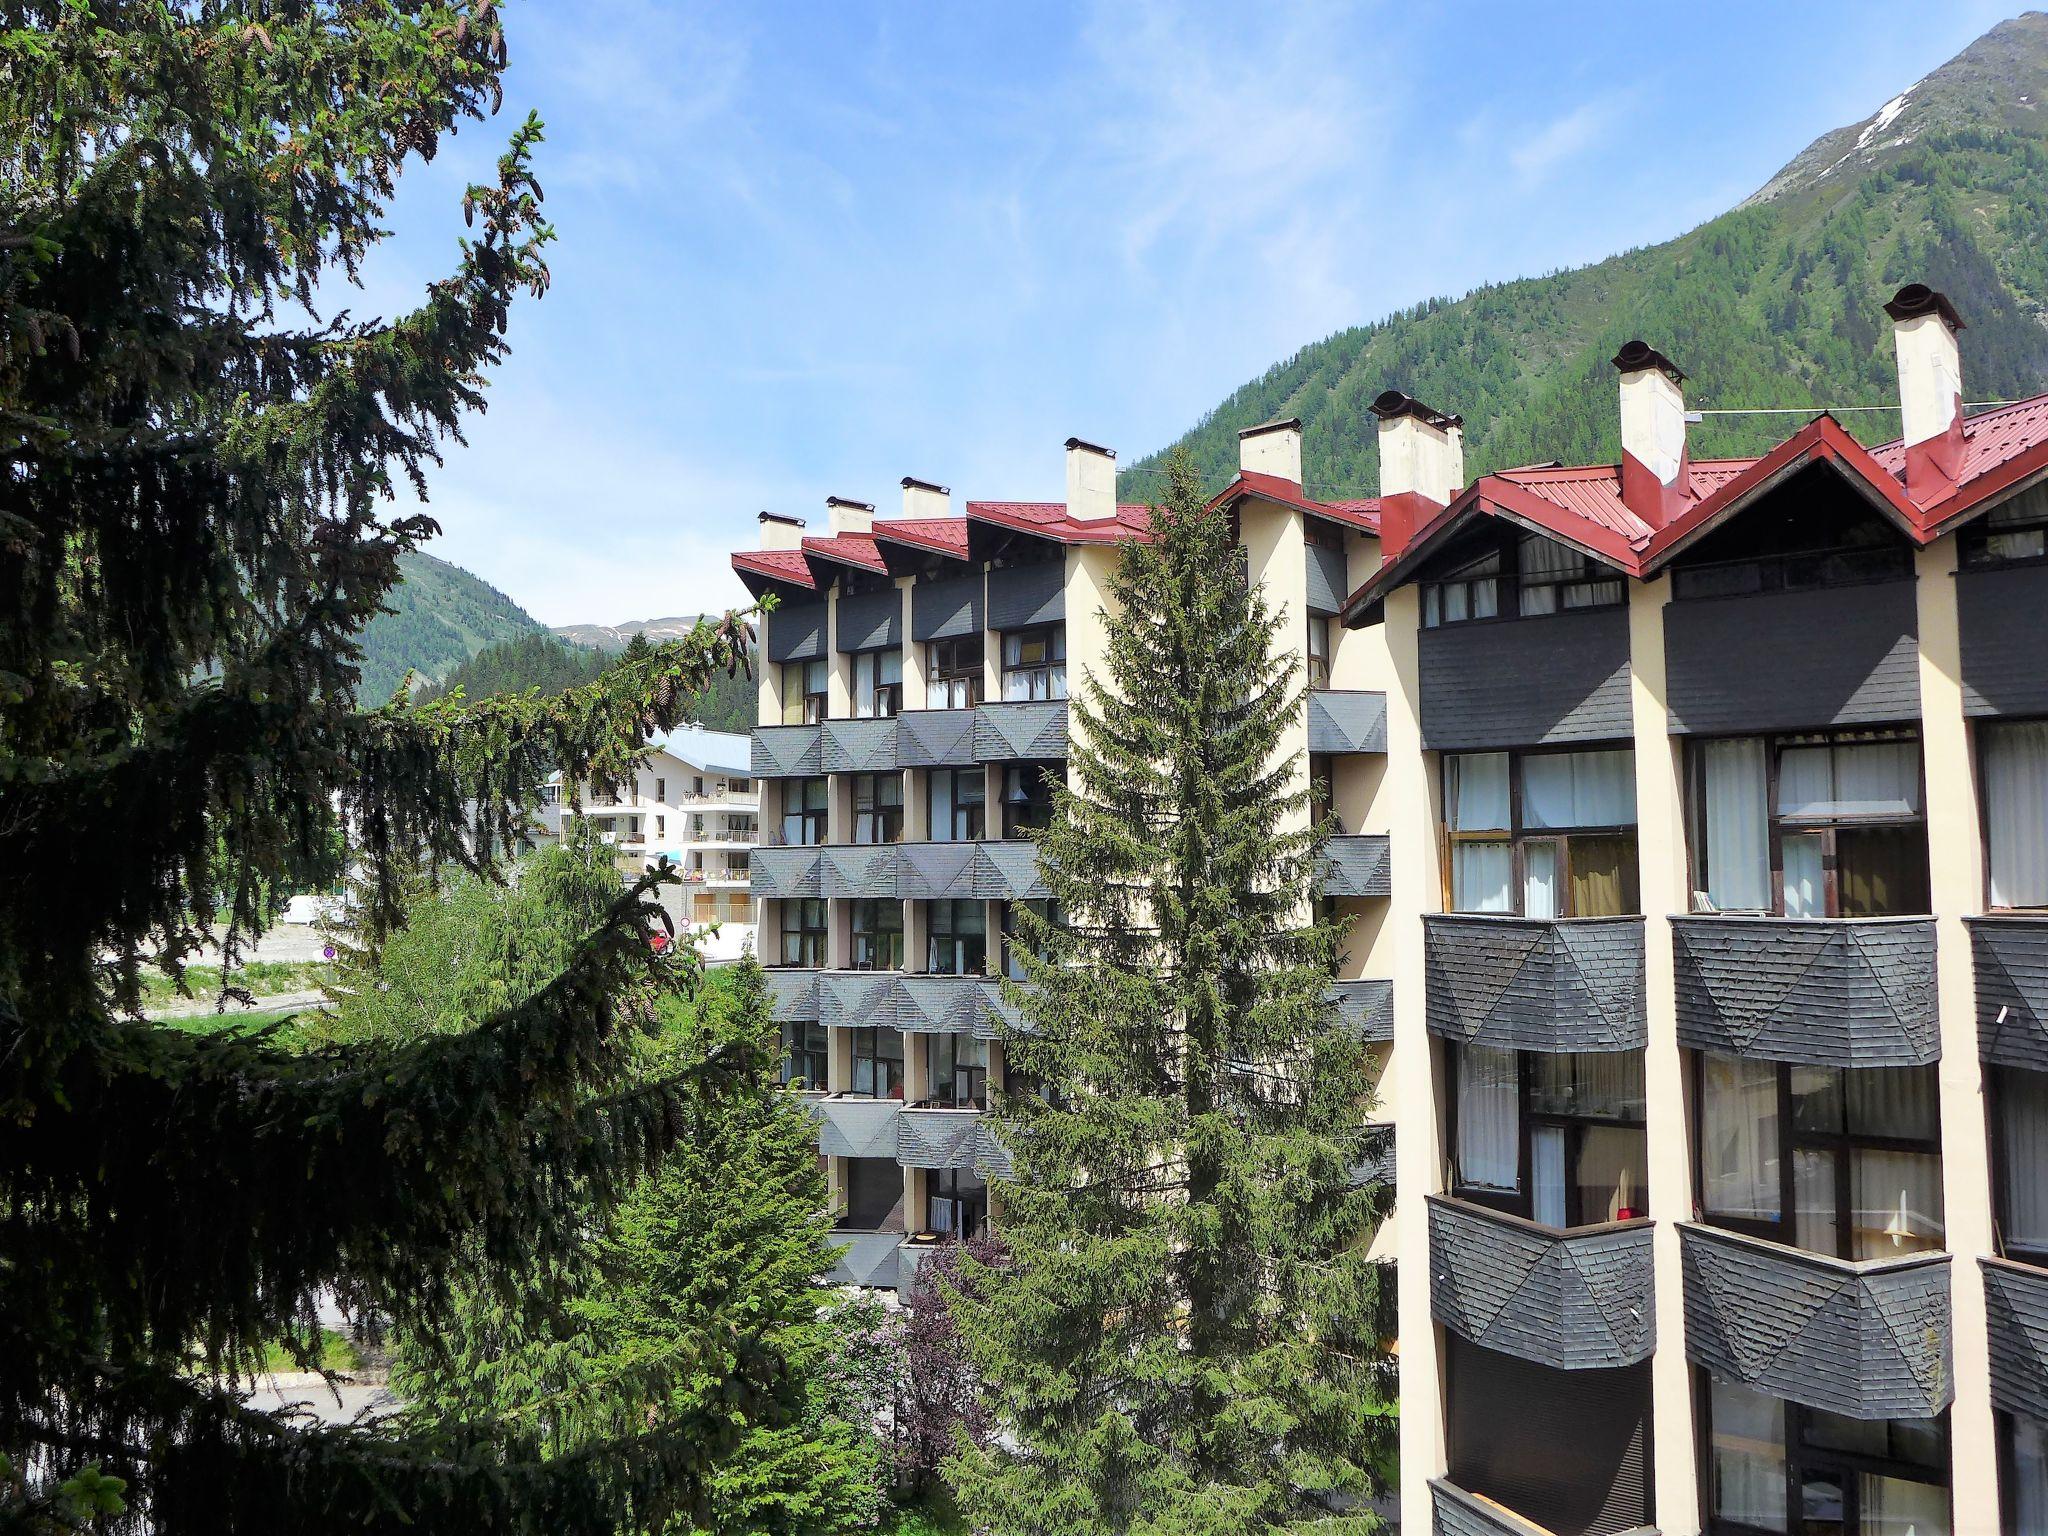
(1881, 871)
(1814, 1223)
(1898, 1102)
(1579, 789)
(1604, 876)
(1805, 781)
(1482, 876)
(2016, 812)
(1896, 1506)
(1806, 890)
(1877, 779)
(2023, 1155)
(1739, 1137)
(1476, 792)
(1612, 1176)
(1489, 1118)
(1748, 1452)
(1896, 1202)
(2030, 1471)
(1547, 1201)
(1737, 851)
(1541, 896)
(1817, 1099)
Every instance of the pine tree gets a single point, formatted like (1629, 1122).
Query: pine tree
(1187, 1335)
(196, 528)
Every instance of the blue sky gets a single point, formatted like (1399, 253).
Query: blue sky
(809, 249)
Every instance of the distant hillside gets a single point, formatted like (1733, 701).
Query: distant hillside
(441, 615)
(540, 660)
(1775, 303)
(613, 637)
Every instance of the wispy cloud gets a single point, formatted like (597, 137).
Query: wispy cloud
(1565, 138)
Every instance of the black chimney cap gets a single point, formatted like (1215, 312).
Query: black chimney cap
(1917, 299)
(1637, 355)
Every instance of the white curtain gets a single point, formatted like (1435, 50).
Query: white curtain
(1489, 1118)
(1476, 786)
(1749, 1456)
(1805, 878)
(2030, 1472)
(1482, 877)
(1738, 826)
(1540, 894)
(941, 802)
(1896, 1203)
(2023, 1136)
(1897, 1506)
(2016, 810)
(1871, 779)
(1546, 1175)
(1739, 1137)
(1579, 789)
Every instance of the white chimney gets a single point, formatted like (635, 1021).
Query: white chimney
(1272, 448)
(843, 516)
(1656, 472)
(1091, 482)
(1422, 466)
(1924, 327)
(923, 499)
(779, 532)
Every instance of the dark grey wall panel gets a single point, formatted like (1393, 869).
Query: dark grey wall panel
(786, 752)
(1345, 720)
(2010, 956)
(1526, 682)
(1378, 1166)
(941, 1005)
(1025, 729)
(1357, 864)
(1824, 993)
(796, 631)
(949, 609)
(2016, 1296)
(1573, 1301)
(871, 621)
(2003, 616)
(1022, 595)
(1793, 660)
(1327, 581)
(935, 738)
(992, 1159)
(1525, 984)
(1366, 1006)
(1871, 1340)
(940, 872)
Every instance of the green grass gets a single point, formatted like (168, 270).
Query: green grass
(291, 1037)
(336, 1354)
(934, 1515)
(261, 978)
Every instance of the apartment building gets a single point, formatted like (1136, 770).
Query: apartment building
(694, 801)
(1695, 843)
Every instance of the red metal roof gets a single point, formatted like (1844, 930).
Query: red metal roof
(1048, 519)
(946, 535)
(855, 549)
(776, 564)
(1363, 515)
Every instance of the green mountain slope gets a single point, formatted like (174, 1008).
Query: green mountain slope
(441, 615)
(1776, 303)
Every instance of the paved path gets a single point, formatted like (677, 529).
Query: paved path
(208, 1002)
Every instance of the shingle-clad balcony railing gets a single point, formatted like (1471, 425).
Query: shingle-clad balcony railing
(858, 999)
(1366, 1006)
(1534, 984)
(1020, 728)
(786, 873)
(929, 738)
(1355, 864)
(935, 738)
(786, 751)
(914, 1003)
(1458, 1513)
(2016, 1298)
(931, 1137)
(1869, 1338)
(991, 1158)
(858, 746)
(856, 871)
(990, 870)
(2010, 956)
(1572, 1299)
(869, 1258)
(1834, 992)
(1344, 720)
(1378, 1164)
(853, 1126)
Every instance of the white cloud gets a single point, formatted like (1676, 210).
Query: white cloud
(1564, 138)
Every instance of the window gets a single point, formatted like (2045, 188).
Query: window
(806, 692)
(957, 1067)
(874, 1195)
(953, 675)
(697, 785)
(2016, 812)
(1558, 1138)
(1776, 1466)
(661, 789)
(1013, 940)
(954, 804)
(877, 807)
(1823, 547)
(803, 933)
(1529, 576)
(2025, 1471)
(877, 684)
(878, 1062)
(877, 932)
(805, 1054)
(955, 1202)
(1035, 663)
(1542, 834)
(661, 826)
(2012, 533)
(1319, 650)
(804, 803)
(1027, 797)
(1839, 1161)
(1809, 826)
(957, 939)
(2019, 1130)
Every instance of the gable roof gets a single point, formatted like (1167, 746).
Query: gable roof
(1362, 515)
(1049, 520)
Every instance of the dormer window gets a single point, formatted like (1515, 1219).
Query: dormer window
(1524, 578)
(2015, 533)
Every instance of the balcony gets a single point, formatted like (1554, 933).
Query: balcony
(913, 1003)
(849, 1126)
(1366, 1006)
(1534, 984)
(1022, 729)
(991, 1158)
(1378, 1166)
(928, 1137)
(1341, 720)
(936, 738)
(869, 1259)
(988, 870)
(2016, 1297)
(2010, 957)
(786, 751)
(856, 870)
(1577, 1299)
(1869, 1339)
(1833, 992)
(787, 873)
(1459, 1513)
(944, 1005)
(857, 999)
(858, 746)
(792, 995)
(1355, 864)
